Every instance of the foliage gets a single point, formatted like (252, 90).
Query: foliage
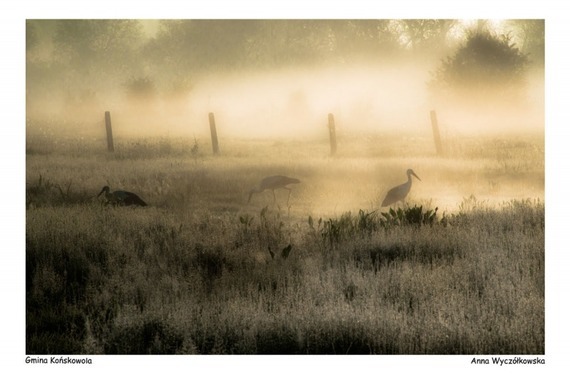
(45, 192)
(76, 68)
(530, 33)
(486, 66)
(336, 230)
(90, 44)
(230, 44)
(426, 34)
(409, 216)
(77, 56)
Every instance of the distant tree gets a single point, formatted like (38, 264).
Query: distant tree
(297, 41)
(96, 48)
(195, 46)
(363, 38)
(94, 58)
(484, 67)
(425, 35)
(530, 35)
(200, 45)
(184, 50)
(140, 88)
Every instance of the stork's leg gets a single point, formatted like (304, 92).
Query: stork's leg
(274, 198)
(289, 195)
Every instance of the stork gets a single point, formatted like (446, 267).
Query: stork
(121, 197)
(399, 193)
(272, 183)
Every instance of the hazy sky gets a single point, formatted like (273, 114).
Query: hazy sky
(281, 84)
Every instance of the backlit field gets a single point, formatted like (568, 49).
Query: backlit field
(458, 270)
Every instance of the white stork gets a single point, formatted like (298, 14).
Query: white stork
(399, 193)
(121, 197)
(272, 183)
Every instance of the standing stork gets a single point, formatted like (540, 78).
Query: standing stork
(272, 183)
(399, 193)
(121, 198)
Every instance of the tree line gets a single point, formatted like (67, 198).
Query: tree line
(80, 57)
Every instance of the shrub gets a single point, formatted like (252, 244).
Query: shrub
(485, 67)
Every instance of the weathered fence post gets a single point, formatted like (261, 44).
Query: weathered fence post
(213, 132)
(436, 137)
(110, 146)
(332, 134)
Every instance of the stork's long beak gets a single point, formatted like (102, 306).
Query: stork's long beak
(415, 175)
(101, 192)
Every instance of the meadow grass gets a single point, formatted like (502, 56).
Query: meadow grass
(193, 273)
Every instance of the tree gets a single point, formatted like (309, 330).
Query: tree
(98, 50)
(530, 34)
(425, 36)
(363, 38)
(486, 67)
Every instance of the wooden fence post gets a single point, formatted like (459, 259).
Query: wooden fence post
(213, 132)
(332, 134)
(436, 137)
(110, 146)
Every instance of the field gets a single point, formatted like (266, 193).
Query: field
(458, 269)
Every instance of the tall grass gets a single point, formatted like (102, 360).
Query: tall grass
(142, 281)
(202, 272)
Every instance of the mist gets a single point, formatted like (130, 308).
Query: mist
(271, 85)
(264, 79)
(295, 102)
(285, 187)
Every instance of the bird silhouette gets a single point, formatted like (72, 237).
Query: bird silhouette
(399, 193)
(121, 198)
(272, 183)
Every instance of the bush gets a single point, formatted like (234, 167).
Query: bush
(484, 66)
(140, 88)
